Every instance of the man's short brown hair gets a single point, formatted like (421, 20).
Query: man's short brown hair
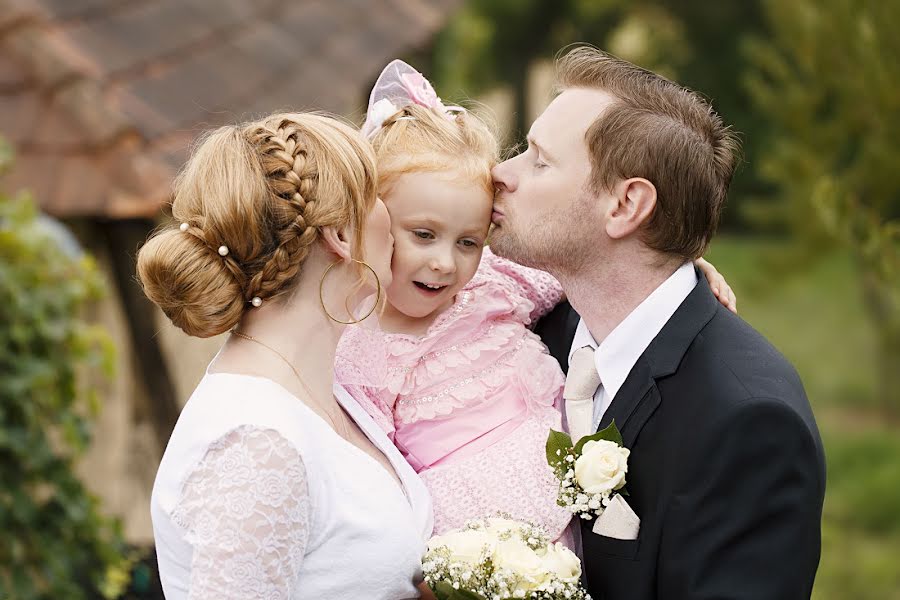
(663, 132)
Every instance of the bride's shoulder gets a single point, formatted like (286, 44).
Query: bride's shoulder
(224, 388)
(222, 402)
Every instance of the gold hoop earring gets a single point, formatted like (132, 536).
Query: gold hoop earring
(322, 293)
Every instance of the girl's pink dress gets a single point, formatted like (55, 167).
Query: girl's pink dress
(470, 404)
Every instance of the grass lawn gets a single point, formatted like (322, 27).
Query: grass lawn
(815, 317)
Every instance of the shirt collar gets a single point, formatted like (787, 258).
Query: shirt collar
(617, 354)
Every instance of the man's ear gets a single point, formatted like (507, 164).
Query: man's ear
(634, 202)
(337, 242)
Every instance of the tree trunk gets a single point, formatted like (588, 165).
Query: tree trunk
(877, 295)
(123, 239)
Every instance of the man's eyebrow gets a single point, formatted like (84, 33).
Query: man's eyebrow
(541, 150)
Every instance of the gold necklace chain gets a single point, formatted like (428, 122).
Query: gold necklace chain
(312, 397)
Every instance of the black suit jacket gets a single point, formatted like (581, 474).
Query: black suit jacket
(726, 472)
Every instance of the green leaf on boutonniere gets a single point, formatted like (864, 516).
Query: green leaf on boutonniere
(611, 433)
(444, 591)
(558, 445)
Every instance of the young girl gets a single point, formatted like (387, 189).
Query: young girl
(455, 377)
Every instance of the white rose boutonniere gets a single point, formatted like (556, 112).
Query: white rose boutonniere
(601, 467)
(589, 472)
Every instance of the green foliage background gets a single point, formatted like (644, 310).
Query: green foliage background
(55, 543)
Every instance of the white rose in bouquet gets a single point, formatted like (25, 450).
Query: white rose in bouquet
(467, 546)
(516, 556)
(601, 467)
(501, 559)
(562, 562)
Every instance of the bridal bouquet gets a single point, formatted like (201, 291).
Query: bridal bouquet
(590, 472)
(498, 558)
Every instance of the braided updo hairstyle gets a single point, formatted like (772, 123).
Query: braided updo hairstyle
(262, 190)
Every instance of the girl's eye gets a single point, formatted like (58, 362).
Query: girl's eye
(423, 235)
(539, 165)
(469, 243)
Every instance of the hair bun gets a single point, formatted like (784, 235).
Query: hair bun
(190, 283)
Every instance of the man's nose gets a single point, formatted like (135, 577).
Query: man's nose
(504, 181)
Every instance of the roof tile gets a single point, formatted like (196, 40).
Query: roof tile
(12, 75)
(67, 9)
(122, 87)
(199, 89)
(15, 12)
(19, 115)
(45, 56)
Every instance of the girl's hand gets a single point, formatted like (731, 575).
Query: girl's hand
(718, 285)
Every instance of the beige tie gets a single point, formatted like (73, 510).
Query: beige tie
(581, 385)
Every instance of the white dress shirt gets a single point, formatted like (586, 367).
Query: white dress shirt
(615, 356)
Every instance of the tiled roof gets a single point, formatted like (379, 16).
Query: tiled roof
(102, 98)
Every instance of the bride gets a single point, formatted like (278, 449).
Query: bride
(275, 483)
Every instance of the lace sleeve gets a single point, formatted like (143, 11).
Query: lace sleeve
(538, 286)
(245, 508)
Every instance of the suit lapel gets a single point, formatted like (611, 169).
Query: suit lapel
(557, 329)
(638, 398)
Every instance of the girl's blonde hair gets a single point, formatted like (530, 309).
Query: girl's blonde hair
(262, 190)
(418, 139)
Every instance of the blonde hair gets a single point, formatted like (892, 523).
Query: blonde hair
(262, 190)
(418, 139)
(663, 132)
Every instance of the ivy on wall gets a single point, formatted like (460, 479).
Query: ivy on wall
(56, 543)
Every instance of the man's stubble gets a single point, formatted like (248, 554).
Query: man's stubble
(558, 241)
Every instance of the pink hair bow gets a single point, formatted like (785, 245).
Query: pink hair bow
(399, 86)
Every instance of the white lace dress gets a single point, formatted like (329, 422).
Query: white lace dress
(257, 497)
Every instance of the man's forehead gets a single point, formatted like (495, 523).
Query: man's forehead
(570, 113)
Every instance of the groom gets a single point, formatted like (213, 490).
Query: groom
(621, 187)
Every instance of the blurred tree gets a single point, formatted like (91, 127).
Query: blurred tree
(55, 542)
(829, 81)
(496, 42)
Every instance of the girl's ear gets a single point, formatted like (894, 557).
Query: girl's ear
(336, 241)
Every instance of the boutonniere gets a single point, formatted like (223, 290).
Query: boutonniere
(590, 472)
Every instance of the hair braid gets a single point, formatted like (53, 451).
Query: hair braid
(289, 165)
